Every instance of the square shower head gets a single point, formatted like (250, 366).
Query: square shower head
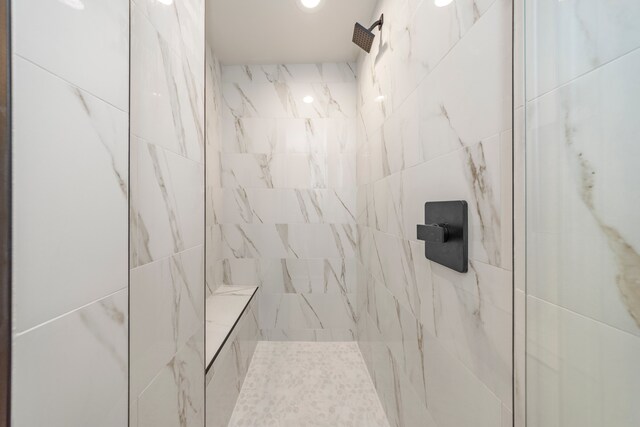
(363, 37)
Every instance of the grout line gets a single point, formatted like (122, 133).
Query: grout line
(580, 76)
(31, 329)
(581, 315)
(69, 83)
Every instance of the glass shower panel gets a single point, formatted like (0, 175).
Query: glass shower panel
(583, 213)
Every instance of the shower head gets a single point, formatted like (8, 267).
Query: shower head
(363, 37)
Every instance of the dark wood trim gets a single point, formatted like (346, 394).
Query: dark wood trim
(5, 214)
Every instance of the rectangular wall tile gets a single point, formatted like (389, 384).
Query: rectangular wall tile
(70, 189)
(85, 43)
(434, 123)
(74, 369)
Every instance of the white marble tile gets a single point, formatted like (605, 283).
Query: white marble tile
(223, 389)
(167, 201)
(285, 206)
(254, 241)
(250, 73)
(402, 404)
(167, 102)
(402, 334)
(79, 357)
(292, 240)
(235, 290)
(242, 100)
(583, 240)
(225, 309)
(287, 202)
(318, 73)
(307, 311)
(288, 135)
(281, 100)
(225, 376)
(181, 25)
(166, 297)
(175, 396)
(70, 186)
(308, 384)
(213, 99)
(215, 335)
(568, 39)
(84, 42)
(579, 372)
(321, 240)
(256, 135)
(306, 276)
(473, 321)
(434, 119)
(455, 396)
(458, 107)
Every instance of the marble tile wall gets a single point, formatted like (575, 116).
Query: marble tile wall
(582, 235)
(70, 212)
(434, 119)
(213, 122)
(225, 377)
(167, 287)
(284, 209)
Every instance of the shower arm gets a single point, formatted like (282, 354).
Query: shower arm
(378, 23)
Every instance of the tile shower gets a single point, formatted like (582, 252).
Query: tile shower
(284, 211)
(149, 177)
(434, 123)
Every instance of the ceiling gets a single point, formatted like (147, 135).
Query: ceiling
(282, 31)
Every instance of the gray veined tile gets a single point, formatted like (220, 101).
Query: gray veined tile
(57, 124)
(472, 317)
(250, 73)
(87, 47)
(588, 151)
(307, 311)
(181, 25)
(65, 353)
(166, 310)
(580, 37)
(306, 276)
(342, 72)
(167, 201)
(580, 372)
(175, 396)
(167, 106)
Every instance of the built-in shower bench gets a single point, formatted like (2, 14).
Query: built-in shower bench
(232, 333)
(225, 309)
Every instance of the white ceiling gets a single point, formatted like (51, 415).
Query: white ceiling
(280, 32)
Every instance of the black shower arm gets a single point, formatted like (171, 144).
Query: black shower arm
(378, 23)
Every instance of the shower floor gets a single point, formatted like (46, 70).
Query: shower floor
(296, 384)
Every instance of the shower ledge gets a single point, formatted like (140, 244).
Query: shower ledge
(224, 308)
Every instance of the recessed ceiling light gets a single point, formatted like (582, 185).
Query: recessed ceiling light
(310, 4)
(442, 3)
(307, 99)
(74, 4)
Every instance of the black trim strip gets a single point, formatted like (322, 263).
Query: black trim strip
(5, 214)
(230, 331)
